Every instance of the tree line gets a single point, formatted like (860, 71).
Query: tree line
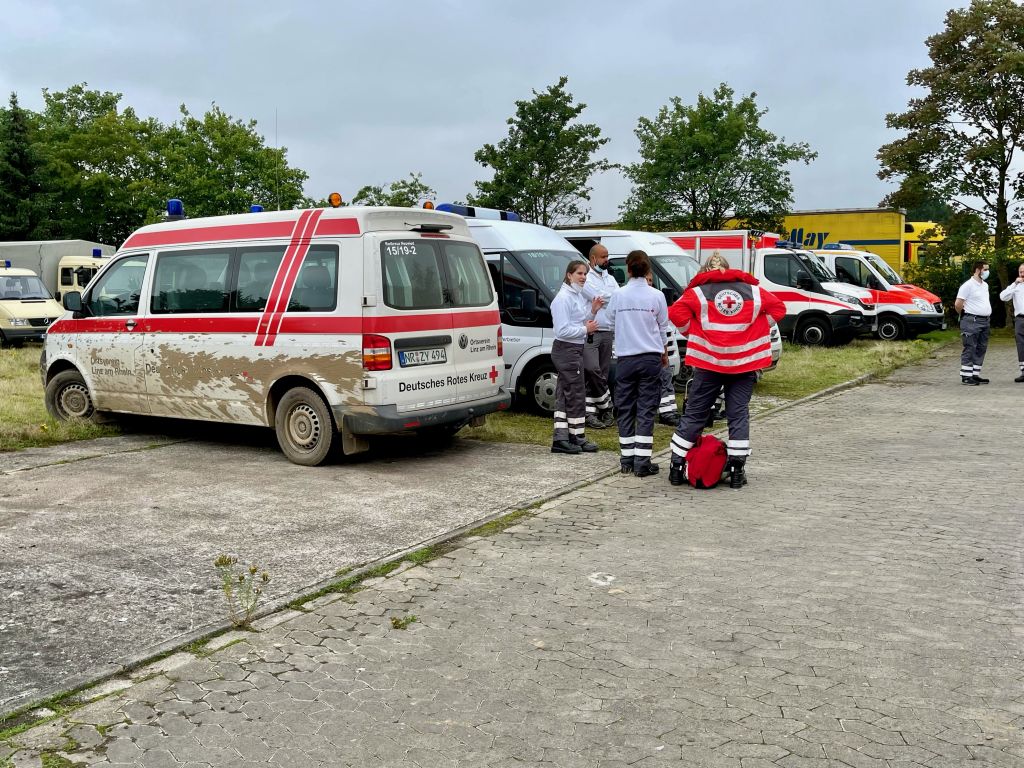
(86, 167)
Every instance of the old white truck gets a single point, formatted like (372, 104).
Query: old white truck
(62, 265)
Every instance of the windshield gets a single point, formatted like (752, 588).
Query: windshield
(548, 266)
(884, 269)
(22, 287)
(816, 268)
(680, 267)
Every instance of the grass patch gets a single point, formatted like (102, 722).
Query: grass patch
(801, 371)
(24, 422)
(51, 760)
(402, 623)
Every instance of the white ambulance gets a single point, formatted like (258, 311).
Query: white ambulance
(904, 310)
(527, 263)
(26, 306)
(327, 324)
(819, 309)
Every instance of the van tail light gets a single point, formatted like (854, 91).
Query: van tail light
(376, 352)
(500, 346)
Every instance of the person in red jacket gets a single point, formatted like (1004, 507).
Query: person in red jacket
(725, 315)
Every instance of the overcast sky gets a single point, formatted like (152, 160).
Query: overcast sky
(365, 92)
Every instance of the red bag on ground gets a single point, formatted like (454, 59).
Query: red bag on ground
(705, 462)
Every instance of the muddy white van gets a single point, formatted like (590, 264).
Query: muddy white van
(328, 325)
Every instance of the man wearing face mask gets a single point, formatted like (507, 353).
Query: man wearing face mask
(973, 301)
(597, 353)
(1015, 292)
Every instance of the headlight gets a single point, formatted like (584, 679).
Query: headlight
(923, 305)
(18, 321)
(847, 299)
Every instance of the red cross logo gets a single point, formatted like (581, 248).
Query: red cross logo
(493, 374)
(729, 302)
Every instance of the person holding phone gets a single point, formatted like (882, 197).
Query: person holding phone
(597, 353)
(573, 320)
(1015, 292)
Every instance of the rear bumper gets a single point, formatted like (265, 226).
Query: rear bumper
(385, 419)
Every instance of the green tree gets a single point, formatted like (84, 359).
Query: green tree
(542, 167)
(218, 165)
(702, 165)
(405, 193)
(962, 135)
(100, 166)
(19, 174)
(921, 204)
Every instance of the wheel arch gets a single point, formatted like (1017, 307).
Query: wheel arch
(285, 383)
(59, 366)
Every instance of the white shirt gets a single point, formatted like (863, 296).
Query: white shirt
(600, 284)
(975, 296)
(639, 316)
(1014, 291)
(569, 313)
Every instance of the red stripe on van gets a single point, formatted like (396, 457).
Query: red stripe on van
(328, 227)
(261, 231)
(292, 272)
(440, 322)
(275, 287)
(214, 324)
(792, 296)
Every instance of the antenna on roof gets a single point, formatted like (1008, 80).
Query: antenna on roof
(277, 165)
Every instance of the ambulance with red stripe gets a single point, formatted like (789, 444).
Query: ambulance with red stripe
(904, 310)
(819, 309)
(328, 325)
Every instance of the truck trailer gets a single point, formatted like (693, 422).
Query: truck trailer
(62, 265)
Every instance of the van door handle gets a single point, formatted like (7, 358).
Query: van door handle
(130, 324)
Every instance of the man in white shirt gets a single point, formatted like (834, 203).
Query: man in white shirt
(972, 300)
(597, 353)
(1015, 292)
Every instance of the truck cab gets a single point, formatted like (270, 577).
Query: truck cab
(904, 310)
(26, 308)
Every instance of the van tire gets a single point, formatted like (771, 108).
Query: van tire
(540, 388)
(891, 328)
(814, 332)
(68, 399)
(304, 427)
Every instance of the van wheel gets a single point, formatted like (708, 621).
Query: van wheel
(890, 328)
(304, 427)
(68, 399)
(540, 388)
(814, 332)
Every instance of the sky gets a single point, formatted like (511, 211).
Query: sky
(366, 92)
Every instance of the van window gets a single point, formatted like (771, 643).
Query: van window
(316, 286)
(549, 266)
(117, 291)
(67, 276)
(680, 267)
(430, 274)
(852, 271)
(191, 281)
(257, 268)
(23, 287)
(776, 270)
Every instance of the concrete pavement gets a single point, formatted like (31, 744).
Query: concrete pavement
(858, 604)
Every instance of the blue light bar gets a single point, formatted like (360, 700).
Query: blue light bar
(97, 253)
(7, 263)
(175, 207)
(786, 244)
(255, 208)
(473, 212)
(837, 247)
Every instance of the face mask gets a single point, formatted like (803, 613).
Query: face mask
(599, 268)
(984, 274)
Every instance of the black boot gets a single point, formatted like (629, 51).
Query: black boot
(677, 473)
(737, 475)
(564, 446)
(585, 445)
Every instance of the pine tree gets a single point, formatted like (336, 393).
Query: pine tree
(19, 185)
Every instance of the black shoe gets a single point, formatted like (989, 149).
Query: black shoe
(677, 473)
(969, 381)
(565, 446)
(650, 469)
(737, 476)
(594, 422)
(626, 469)
(669, 421)
(586, 446)
(979, 380)
(1020, 379)
(608, 417)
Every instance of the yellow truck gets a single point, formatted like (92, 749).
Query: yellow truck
(882, 231)
(26, 308)
(62, 265)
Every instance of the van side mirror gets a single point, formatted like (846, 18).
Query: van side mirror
(804, 282)
(72, 301)
(529, 298)
(671, 295)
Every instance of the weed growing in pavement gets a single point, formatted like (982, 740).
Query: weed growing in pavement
(242, 588)
(402, 623)
(52, 760)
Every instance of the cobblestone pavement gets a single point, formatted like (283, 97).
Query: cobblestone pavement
(858, 604)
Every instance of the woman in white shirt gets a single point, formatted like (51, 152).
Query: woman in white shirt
(573, 319)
